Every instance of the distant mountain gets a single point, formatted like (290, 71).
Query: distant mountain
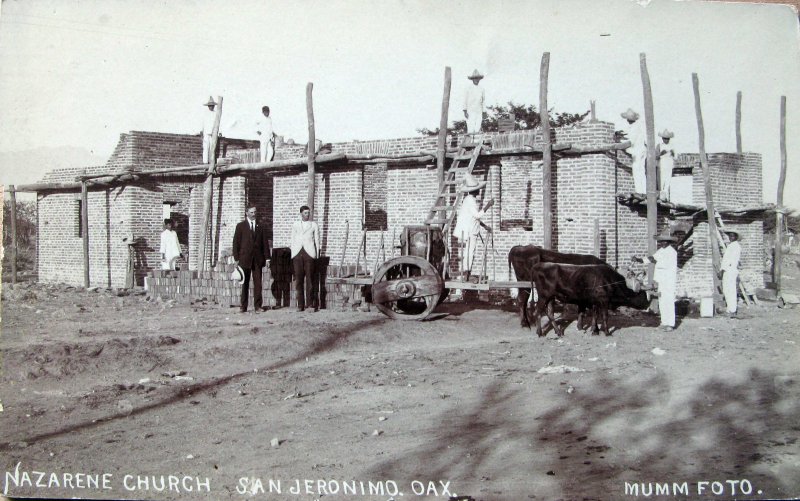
(29, 166)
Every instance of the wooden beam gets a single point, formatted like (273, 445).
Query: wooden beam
(280, 164)
(13, 200)
(442, 139)
(85, 227)
(208, 192)
(650, 166)
(547, 174)
(739, 122)
(597, 237)
(712, 224)
(312, 146)
(777, 263)
(37, 187)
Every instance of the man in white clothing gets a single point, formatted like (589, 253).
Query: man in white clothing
(469, 222)
(636, 134)
(666, 276)
(266, 136)
(208, 128)
(730, 272)
(666, 162)
(473, 103)
(170, 247)
(305, 251)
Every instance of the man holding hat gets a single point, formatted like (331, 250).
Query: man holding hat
(730, 272)
(666, 276)
(473, 103)
(208, 128)
(666, 161)
(638, 150)
(469, 222)
(250, 251)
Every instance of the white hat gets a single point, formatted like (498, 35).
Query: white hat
(666, 134)
(210, 102)
(629, 114)
(238, 275)
(476, 75)
(471, 184)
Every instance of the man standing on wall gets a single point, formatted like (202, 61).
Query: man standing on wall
(305, 249)
(636, 134)
(266, 136)
(730, 272)
(170, 247)
(473, 103)
(250, 251)
(208, 128)
(666, 162)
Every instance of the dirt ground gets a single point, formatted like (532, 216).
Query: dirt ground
(118, 397)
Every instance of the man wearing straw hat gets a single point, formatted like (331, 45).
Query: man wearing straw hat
(729, 267)
(469, 222)
(208, 128)
(666, 162)
(665, 276)
(637, 136)
(250, 251)
(473, 103)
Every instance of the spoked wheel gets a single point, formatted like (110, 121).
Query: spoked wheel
(407, 288)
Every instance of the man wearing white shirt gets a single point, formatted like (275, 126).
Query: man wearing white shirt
(468, 223)
(636, 134)
(666, 162)
(266, 136)
(730, 272)
(666, 276)
(170, 247)
(305, 250)
(208, 128)
(473, 103)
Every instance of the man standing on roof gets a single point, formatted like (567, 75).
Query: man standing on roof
(266, 136)
(666, 162)
(730, 272)
(473, 103)
(636, 134)
(469, 222)
(665, 276)
(208, 128)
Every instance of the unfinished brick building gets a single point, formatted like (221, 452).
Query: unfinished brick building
(380, 198)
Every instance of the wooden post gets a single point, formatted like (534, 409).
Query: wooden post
(312, 152)
(85, 226)
(547, 181)
(777, 264)
(442, 140)
(596, 237)
(650, 166)
(208, 192)
(593, 115)
(710, 213)
(13, 196)
(739, 122)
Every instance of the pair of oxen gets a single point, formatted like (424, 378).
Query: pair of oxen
(580, 279)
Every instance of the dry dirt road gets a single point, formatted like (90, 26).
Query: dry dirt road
(109, 397)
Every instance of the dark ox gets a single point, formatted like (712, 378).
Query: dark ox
(596, 287)
(523, 257)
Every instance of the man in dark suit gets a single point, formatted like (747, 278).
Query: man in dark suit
(251, 251)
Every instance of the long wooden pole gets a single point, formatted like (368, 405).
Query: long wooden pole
(442, 139)
(208, 191)
(739, 122)
(777, 265)
(547, 174)
(650, 166)
(712, 223)
(13, 197)
(312, 146)
(85, 226)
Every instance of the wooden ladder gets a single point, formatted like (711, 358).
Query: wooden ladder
(749, 297)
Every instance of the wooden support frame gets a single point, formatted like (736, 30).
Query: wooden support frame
(208, 193)
(13, 215)
(739, 122)
(312, 147)
(650, 166)
(441, 143)
(85, 226)
(547, 174)
(777, 263)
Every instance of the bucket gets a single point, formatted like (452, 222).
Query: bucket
(706, 307)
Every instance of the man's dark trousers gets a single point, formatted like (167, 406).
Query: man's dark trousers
(257, 296)
(303, 267)
(250, 249)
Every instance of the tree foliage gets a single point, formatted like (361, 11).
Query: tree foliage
(26, 236)
(526, 117)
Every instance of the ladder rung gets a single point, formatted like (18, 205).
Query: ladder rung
(462, 157)
(443, 207)
(437, 221)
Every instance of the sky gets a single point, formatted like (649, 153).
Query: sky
(78, 73)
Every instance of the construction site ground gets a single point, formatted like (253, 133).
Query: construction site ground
(113, 396)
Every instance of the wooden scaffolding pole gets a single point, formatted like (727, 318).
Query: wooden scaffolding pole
(13, 199)
(85, 227)
(312, 146)
(739, 122)
(208, 192)
(650, 166)
(712, 225)
(547, 174)
(777, 263)
(442, 139)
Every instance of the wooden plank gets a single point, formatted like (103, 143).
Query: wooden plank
(778, 260)
(454, 284)
(85, 227)
(312, 152)
(13, 200)
(547, 173)
(650, 166)
(441, 142)
(739, 122)
(712, 232)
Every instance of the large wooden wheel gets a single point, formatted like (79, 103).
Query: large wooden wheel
(407, 288)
